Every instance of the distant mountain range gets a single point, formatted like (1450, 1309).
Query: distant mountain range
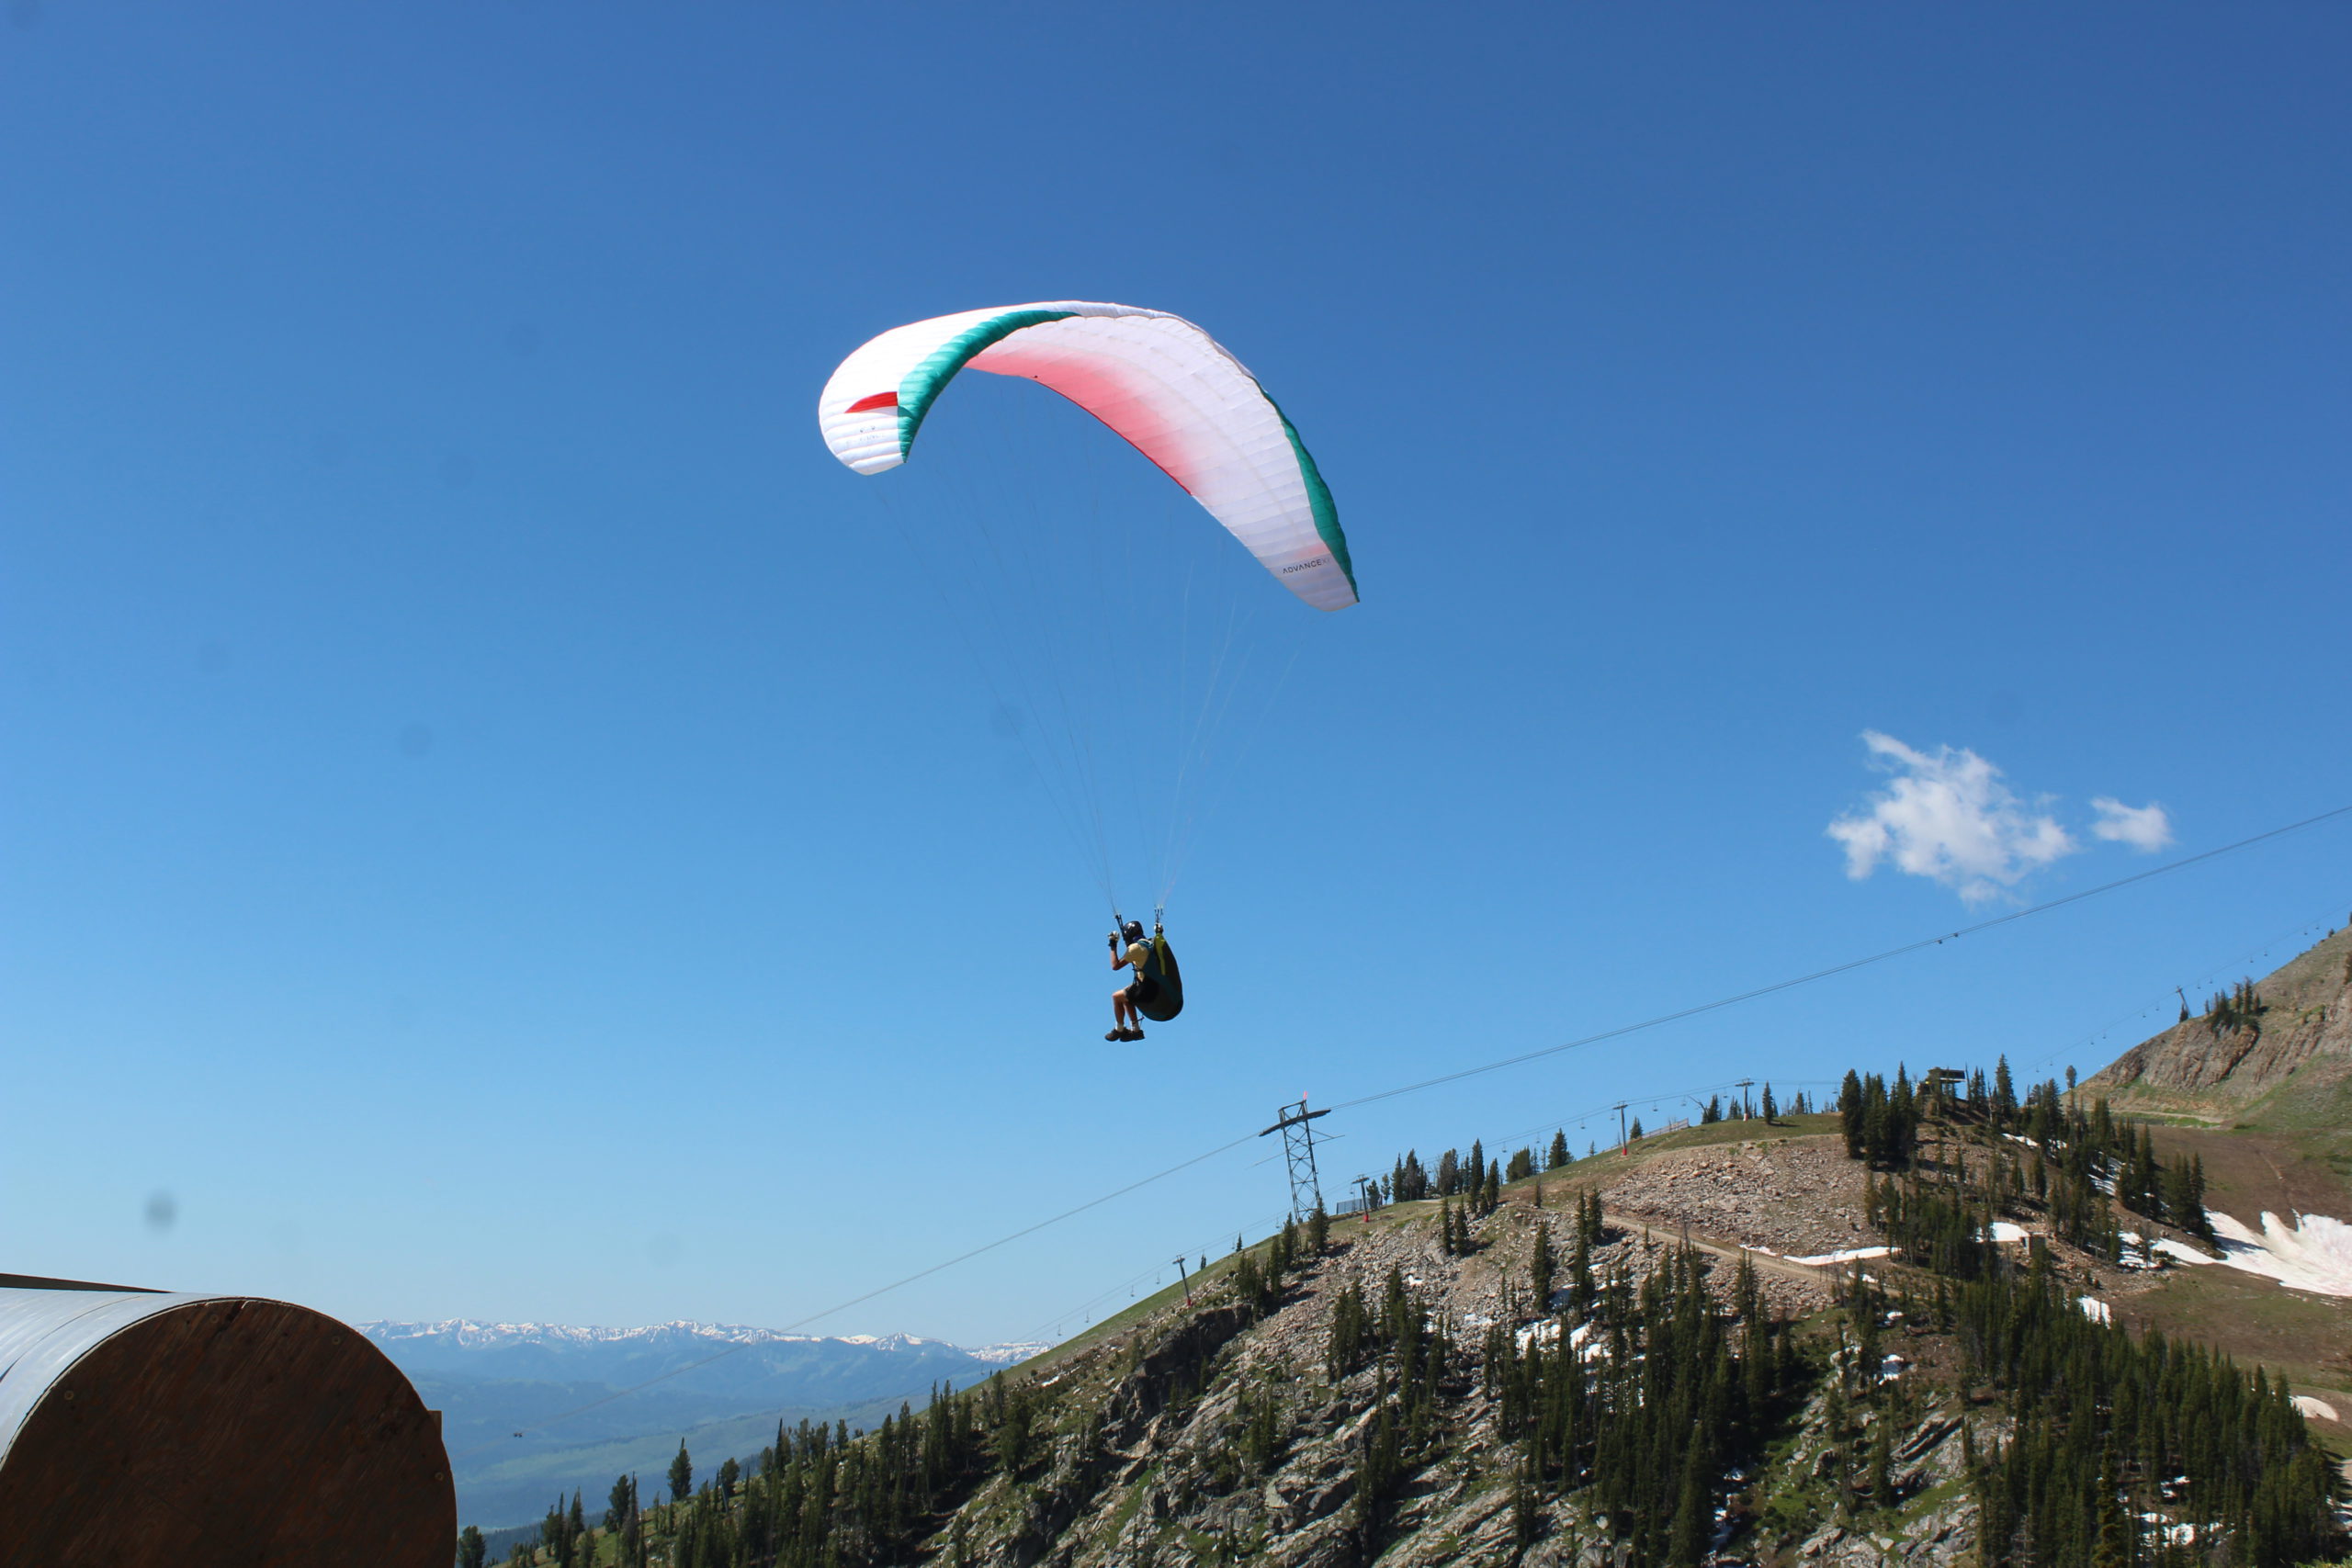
(722, 1388)
(563, 1350)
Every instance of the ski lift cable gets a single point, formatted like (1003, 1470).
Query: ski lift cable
(1203, 1249)
(898, 1283)
(2212, 976)
(1622, 1031)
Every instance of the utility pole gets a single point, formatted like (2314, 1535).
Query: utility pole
(1364, 1198)
(1744, 1112)
(1624, 1144)
(1186, 1277)
(1299, 1154)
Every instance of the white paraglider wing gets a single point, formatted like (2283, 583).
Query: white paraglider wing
(1156, 379)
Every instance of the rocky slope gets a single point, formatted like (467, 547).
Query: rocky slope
(1160, 1480)
(2285, 1063)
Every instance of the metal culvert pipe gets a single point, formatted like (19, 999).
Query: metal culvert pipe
(144, 1428)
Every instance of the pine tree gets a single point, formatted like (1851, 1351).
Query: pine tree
(1559, 1155)
(1687, 1543)
(553, 1541)
(473, 1550)
(1351, 1331)
(1523, 1517)
(682, 1475)
(1880, 1479)
(1771, 1111)
(622, 1501)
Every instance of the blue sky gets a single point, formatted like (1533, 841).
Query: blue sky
(494, 821)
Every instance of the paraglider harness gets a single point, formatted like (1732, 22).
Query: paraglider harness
(1157, 990)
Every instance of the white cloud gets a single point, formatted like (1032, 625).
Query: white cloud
(2145, 827)
(1948, 816)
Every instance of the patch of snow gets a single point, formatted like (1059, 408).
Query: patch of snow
(1852, 1254)
(1546, 1332)
(1890, 1368)
(2319, 1408)
(2313, 1254)
(2006, 1230)
(2180, 1251)
(2097, 1310)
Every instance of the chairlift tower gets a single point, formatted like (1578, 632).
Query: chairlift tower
(1298, 1152)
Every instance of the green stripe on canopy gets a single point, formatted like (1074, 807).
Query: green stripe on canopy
(925, 382)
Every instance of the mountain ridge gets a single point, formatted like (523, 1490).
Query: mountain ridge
(2273, 1053)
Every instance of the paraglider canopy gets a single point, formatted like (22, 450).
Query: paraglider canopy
(1164, 385)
